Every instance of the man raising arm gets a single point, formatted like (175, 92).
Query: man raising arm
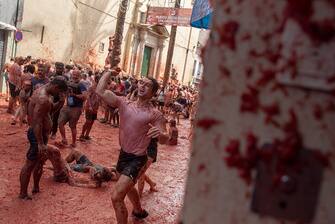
(139, 122)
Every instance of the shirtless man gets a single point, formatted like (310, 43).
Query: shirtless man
(139, 122)
(40, 109)
(14, 81)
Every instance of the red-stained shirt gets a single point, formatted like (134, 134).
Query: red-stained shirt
(134, 125)
(15, 72)
(173, 140)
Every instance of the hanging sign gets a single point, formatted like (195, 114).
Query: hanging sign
(169, 16)
(18, 35)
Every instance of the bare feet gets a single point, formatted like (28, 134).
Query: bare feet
(36, 190)
(25, 197)
(82, 138)
(88, 138)
(141, 214)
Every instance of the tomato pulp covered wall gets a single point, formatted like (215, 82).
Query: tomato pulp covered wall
(270, 72)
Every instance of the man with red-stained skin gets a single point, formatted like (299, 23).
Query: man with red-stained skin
(139, 123)
(63, 172)
(40, 108)
(14, 81)
(71, 112)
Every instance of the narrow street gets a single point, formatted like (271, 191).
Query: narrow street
(61, 203)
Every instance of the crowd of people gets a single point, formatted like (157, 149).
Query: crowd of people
(47, 96)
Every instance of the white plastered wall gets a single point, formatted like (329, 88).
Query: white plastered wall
(214, 193)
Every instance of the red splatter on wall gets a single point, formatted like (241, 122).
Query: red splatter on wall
(317, 112)
(250, 100)
(246, 37)
(271, 111)
(201, 167)
(286, 150)
(266, 76)
(228, 33)
(331, 79)
(207, 123)
(248, 72)
(302, 12)
(225, 72)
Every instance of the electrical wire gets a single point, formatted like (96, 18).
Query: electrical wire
(101, 11)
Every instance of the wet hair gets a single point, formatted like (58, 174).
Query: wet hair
(97, 78)
(106, 175)
(173, 123)
(103, 176)
(60, 82)
(31, 69)
(59, 64)
(155, 85)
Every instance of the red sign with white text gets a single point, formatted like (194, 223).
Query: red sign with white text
(169, 16)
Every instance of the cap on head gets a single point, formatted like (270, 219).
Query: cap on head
(59, 64)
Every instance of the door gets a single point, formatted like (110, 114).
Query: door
(146, 61)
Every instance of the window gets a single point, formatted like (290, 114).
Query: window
(101, 47)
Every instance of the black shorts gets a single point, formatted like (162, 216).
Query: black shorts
(152, 149)
(130, 165)
(32, 153)
(91, 116)
(12, 91)
(161, 104)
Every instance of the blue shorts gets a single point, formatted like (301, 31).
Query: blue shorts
(81, 164)
(32, 153)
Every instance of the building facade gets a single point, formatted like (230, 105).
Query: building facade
(79, 30)
(10, 21)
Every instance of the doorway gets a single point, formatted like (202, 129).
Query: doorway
(146, 61)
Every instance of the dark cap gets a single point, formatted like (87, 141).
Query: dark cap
(59, 64)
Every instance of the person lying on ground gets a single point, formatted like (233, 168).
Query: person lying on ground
(98, 173)
(63, 171)
(40, 108)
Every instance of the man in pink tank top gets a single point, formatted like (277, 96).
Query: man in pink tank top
(139, 122)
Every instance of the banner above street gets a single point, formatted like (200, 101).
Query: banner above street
(169, 16)
(202, 14)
